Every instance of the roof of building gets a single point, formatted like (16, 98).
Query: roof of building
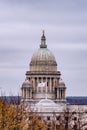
(61, 83)
(46, 102)
(43, 55)
(26, 83)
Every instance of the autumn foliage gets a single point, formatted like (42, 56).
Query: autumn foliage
(15, 116)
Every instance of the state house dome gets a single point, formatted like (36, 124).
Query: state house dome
(43, 59)
(43, 56)
(43, 86)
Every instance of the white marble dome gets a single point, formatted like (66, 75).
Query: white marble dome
(26, 83)
(46, 102)
(61, 83)
(43, 59)
(43, 56)
(47, 105)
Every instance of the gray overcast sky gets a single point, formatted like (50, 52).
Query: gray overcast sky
(65, 24)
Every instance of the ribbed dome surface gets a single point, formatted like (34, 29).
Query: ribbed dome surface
(43, 56)
(43, 59)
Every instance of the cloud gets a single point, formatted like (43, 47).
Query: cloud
(65, 23)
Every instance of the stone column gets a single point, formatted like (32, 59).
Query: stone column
(30, 92)
(50, 85)
(26, 92)
(46, 86)
(43, 87)
(53, 84)
(34, 84)
(22, 92)
(61, 94)
(41, 82)
(37, 84)
(64, 93)
(57, 93)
